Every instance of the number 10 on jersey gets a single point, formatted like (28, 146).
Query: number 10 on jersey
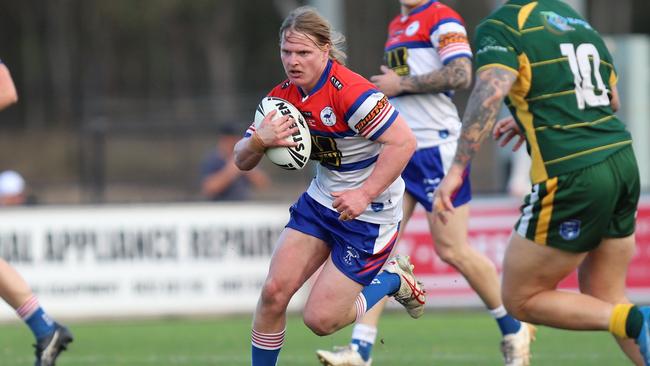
(585, 64)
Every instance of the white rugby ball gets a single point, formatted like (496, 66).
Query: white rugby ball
(290, 158)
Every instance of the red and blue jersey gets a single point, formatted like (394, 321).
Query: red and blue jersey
(346, 114)
(420, 42)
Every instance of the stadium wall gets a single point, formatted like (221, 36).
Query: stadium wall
(199, 259)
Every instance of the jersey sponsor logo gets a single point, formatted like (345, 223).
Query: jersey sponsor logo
(336, 82)
(376, 110)
(451, 38)
(570, 230)
(325, 150)
(397, 60)
(412, 28)
(328, 117)
(488, 43)
(560, 23)
(309, 117)
(350, 255)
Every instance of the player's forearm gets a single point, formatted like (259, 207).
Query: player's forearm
(456, 75)
(393, 158)
(492, 86)
(248, 152)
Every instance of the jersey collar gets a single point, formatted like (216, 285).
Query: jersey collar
(320, 83)
(421, 8)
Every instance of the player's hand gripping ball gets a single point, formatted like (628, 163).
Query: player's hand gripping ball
(290, 158)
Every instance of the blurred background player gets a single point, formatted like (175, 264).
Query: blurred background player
(560, 84)
(348, 219)
(428, 57)
(51, 337)
(221, 180)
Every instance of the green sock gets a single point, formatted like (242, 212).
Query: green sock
(634, 323)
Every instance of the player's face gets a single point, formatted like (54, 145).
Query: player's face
(303, 61)
(411, 4)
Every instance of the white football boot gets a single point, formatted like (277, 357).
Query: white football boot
(342, 356)
(516, 347)
(411, 293)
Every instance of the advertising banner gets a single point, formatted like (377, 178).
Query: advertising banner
(188, 259)
(114, 261)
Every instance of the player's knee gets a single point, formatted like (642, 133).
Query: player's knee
(516, 306)
(320, 323)
(450, 255)
(274, 295)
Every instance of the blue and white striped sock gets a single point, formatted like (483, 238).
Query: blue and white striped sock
(266, 348)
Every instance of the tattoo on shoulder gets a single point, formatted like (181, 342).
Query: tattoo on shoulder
(492, 86)
(457, 74)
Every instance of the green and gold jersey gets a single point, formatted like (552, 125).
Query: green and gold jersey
(561, 95)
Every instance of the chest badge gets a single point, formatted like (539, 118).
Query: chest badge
(328, 117)
(412, 28)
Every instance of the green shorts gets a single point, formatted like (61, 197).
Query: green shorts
(575, 211)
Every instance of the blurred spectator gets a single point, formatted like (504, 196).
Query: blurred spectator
(221, 180)
(12, 189)
(8, 95)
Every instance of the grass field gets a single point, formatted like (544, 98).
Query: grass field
(438, 338)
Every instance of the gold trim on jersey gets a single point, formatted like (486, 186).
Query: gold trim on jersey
(517, 95)
(606, 63)
(613, 79)
(532, 29)
(577, 124)
(599, 148)
(544, 219)
(547, 62)
(524, 13)
(498, 22)
(551, 95)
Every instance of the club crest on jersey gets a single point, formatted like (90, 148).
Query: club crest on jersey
(412, 28)
(328, 117)
(350, 255)
(562, 24)
(570, 230)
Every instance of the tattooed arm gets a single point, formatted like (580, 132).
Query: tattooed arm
(492, 86)
(457, 74)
